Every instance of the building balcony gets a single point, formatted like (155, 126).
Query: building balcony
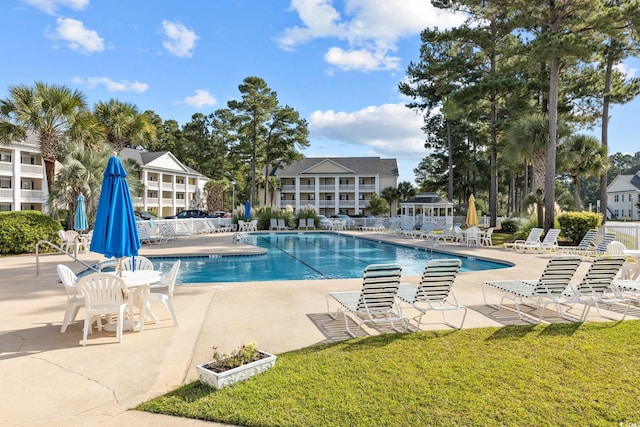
(6, 167)
(6, 194)
(288, 189)
(32, 170)
(327, 203)
(152, 185)
(31, 195)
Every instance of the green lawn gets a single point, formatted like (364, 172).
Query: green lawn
(544, 375)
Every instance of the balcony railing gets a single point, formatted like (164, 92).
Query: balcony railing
(31, 169)
(31, 195)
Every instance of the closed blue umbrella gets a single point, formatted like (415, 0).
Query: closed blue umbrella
(115, 233)
(80, 218)
(247, 210)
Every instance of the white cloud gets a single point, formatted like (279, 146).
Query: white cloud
(629, 72)
(202, 98)
(390, 130)
(370, 28)
(179, 40)
(77, 36)
(361, 59)
(50, 6)
(110, 85)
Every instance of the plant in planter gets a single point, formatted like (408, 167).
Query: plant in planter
(227, 369)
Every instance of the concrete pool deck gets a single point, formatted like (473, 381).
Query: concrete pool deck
(50, 379)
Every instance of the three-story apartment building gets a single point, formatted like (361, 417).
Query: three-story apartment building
(23, 181)
(336, 185)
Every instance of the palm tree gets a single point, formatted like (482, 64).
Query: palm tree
(124, 125)
(53, 113)
(528, 137)
(582, 156)
(390, 194)
(406, 190)
(81, 173)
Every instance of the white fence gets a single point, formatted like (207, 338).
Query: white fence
(627, 233)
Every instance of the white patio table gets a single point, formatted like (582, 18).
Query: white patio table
(138, 283)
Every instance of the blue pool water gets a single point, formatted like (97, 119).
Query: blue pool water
(304, 256)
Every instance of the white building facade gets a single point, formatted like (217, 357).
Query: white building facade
(622, 197)
(23, 181)
(169, 185)
(337, 185)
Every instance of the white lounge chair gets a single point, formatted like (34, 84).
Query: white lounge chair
(376, 302)
(598, 287)
(587, 243)
(310, 224)
(549, 243)
(435, 291)
(532, 238)
(548, 289)
(273, 223)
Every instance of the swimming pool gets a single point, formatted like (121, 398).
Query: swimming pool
(305, 256)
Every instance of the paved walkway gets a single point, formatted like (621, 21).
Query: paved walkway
(49, 379)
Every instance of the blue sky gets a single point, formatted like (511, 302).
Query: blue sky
(337, 62)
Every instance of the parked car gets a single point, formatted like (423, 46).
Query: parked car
(350, 223)
(144, 215)
(218, 214)
(191, 213)
(324, 221)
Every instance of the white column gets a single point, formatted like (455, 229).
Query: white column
(336, 192)
(15, 180)
(145, 179)
(356, 204)
(296, 205)
(317, 196)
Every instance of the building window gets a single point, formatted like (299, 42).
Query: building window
(5, 157)
(344, 197)
(179, 180)
(311, 197)
(28, 160)
(5, 207)
(344, 181)
(329, 197)
(616, 198)
(615, 213)
(179, 196)
(27, 185)
(5, 183)
(362, 197)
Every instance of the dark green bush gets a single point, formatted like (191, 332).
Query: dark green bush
(20, 231)
(510, 225)
(575, 224)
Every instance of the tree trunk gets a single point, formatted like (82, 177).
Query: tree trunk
(604, 138)
(450, 148)
(550, 175)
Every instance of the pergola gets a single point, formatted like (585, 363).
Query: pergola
(431, 208)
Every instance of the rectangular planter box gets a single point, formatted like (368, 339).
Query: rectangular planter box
(232, 376)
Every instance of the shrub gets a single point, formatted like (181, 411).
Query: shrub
(20, 231)
(509, 225)
(575, 224)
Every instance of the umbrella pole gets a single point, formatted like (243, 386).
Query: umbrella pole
(120, 267)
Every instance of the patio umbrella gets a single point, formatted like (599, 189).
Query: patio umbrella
(472, 214)
(247, 210)
(80, 218)
(115, 233)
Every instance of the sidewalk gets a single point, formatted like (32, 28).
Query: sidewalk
(49, 379)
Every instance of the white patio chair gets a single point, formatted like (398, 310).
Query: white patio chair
(376, 302)
(549, 243)
(472, 236)
(68, 240)
(104, 295)
(302, 223)
(273, 223)
(629, 267)
(485, 238)
(162, 291)
(141, 263)
(435, 291)
(281, 224)
(74, 300)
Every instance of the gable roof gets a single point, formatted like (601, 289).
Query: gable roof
(426, 199)
(622, 183)
(163, 159)
(340, 165)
